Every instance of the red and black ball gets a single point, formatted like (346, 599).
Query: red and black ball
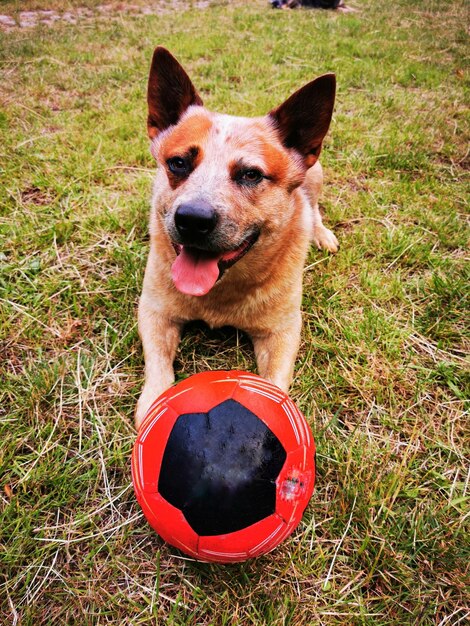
(224, 466)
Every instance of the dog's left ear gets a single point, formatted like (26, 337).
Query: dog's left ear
(303, 119)
(170, 92)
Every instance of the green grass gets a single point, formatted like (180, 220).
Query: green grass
(382, 374)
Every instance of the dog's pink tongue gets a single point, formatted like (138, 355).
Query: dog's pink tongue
(193, 273)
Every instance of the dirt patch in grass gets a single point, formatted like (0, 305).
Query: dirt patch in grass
(34, 195)
(49, 17)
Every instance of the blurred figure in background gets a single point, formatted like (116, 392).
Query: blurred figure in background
(317, 4)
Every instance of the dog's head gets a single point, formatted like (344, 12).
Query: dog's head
(227, 179)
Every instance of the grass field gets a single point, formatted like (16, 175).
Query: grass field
(382, 374)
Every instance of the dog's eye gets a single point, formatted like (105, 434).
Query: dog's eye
(179, 166)
(250, 177)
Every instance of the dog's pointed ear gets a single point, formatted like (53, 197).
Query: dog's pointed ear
(303, 119)
(170, 92)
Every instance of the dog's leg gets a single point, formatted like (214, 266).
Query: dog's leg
(322, 237)
(276, 352)
(160, 338)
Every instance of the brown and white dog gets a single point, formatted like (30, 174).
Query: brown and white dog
(235, 206)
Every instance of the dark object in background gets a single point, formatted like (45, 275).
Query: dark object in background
(322, 4)
(317, 4)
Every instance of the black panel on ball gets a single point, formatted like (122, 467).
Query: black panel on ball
(219, 468)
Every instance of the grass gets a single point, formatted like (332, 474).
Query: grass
(382, 374)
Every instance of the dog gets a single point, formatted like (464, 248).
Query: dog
(234, 209)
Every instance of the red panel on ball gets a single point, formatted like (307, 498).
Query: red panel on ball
(252, 541)
(272, 406)
(150, 445)
(202, 392)
(295, 484)
(169, 523)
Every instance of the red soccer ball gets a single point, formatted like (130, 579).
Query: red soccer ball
(224, 466)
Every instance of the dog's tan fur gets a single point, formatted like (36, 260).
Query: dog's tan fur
(261, 293)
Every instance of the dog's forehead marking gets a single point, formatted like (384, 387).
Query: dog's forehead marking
(240, 130)
(250, 140)
(192, 131)
(255, 142)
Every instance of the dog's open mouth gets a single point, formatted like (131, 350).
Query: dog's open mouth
(195, 271)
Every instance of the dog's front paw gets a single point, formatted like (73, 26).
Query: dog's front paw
(148, 396)
(324, 239)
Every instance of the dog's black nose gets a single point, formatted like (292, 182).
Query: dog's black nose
(195, 220)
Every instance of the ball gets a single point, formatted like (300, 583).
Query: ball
(224, 466)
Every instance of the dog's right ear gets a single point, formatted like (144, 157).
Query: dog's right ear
(303, 119)
(170, 92)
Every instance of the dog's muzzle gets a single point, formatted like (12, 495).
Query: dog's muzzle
(202, 255)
